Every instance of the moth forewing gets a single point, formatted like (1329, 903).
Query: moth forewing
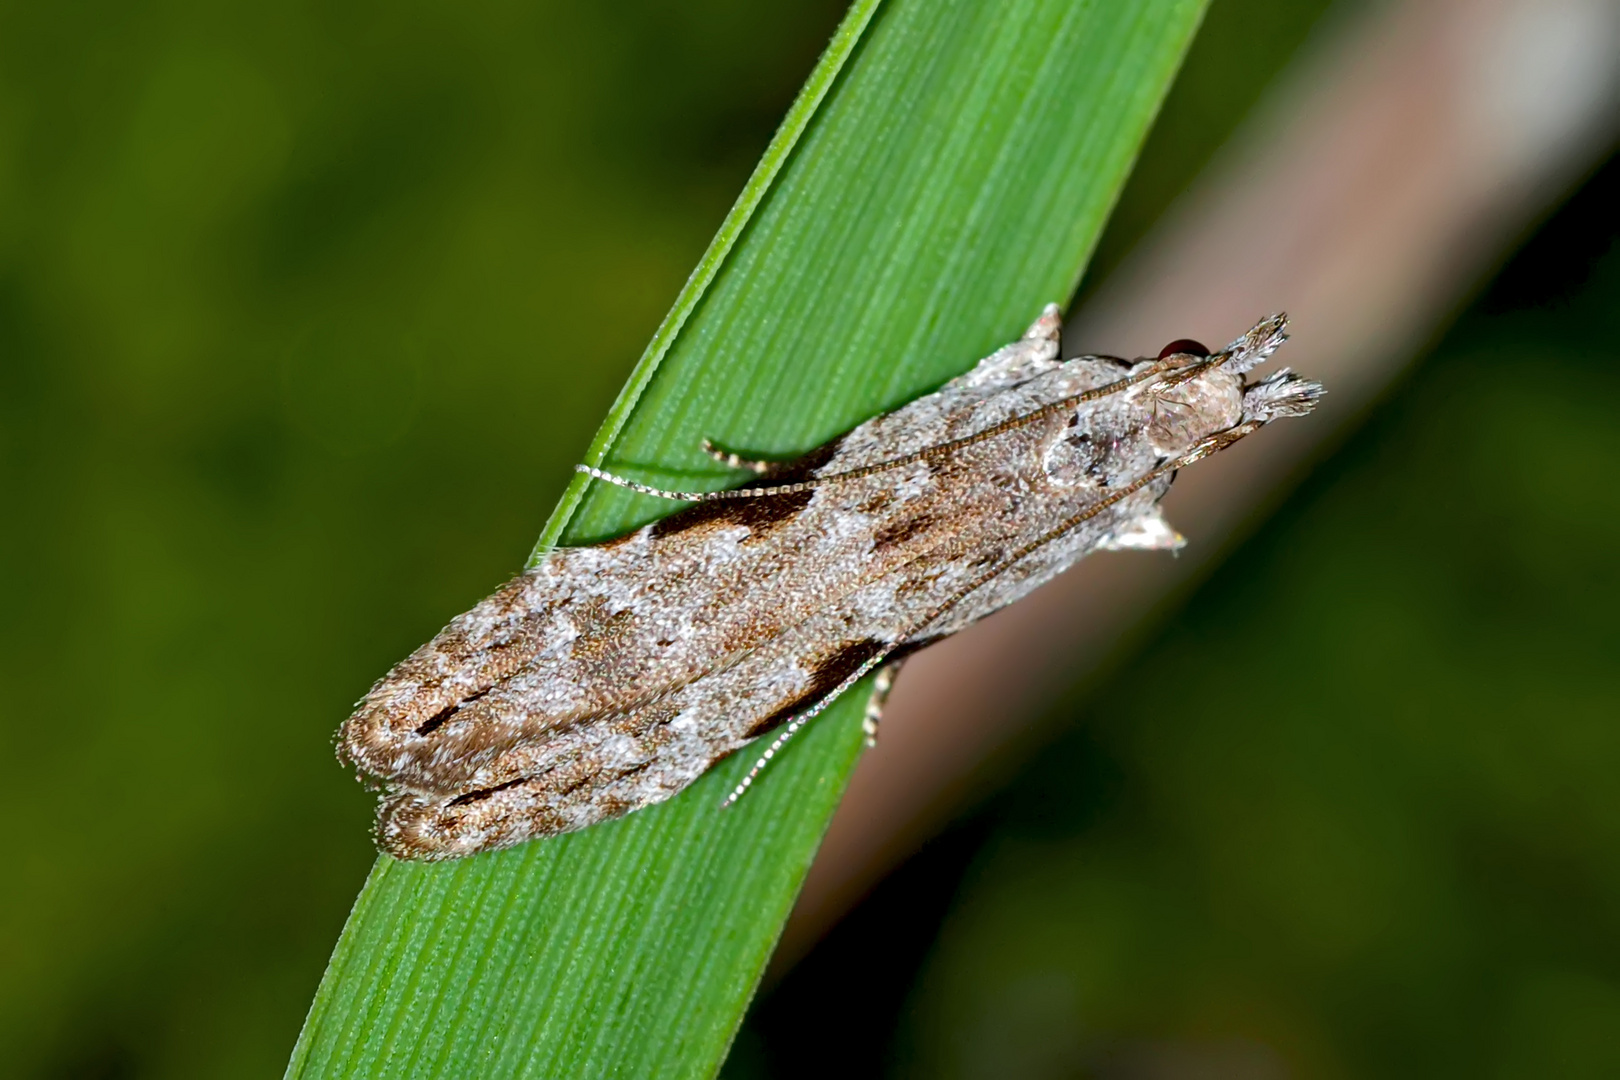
(611, 677)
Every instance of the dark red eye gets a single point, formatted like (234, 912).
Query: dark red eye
(1183, 345)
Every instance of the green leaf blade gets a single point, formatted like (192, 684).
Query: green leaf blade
(947, 170)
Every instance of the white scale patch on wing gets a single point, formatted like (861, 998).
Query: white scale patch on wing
(611, 677)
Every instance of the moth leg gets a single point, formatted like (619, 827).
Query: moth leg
(880, 697)
(737, 461)
(792, 727)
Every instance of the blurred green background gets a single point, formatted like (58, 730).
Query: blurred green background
(305, 313)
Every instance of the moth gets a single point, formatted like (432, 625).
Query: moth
(610, 677)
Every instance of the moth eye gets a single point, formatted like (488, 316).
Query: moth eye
(1183, 345)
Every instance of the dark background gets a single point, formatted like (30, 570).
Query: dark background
(305, 313)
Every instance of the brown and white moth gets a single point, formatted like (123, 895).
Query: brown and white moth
(608, 678)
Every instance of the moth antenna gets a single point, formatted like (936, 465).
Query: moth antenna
(693, 496)
(1178, 372)
(798, 722)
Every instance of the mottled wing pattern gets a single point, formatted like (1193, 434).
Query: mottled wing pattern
(592, 631)
(611, 677)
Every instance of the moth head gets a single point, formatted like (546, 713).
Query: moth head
(1198, 397)
(1213, 396)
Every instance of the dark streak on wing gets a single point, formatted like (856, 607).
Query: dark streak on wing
(574, 784)
(759, 515)
(830, 671)
(438, 719)
(899, 532)
(483, 793)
